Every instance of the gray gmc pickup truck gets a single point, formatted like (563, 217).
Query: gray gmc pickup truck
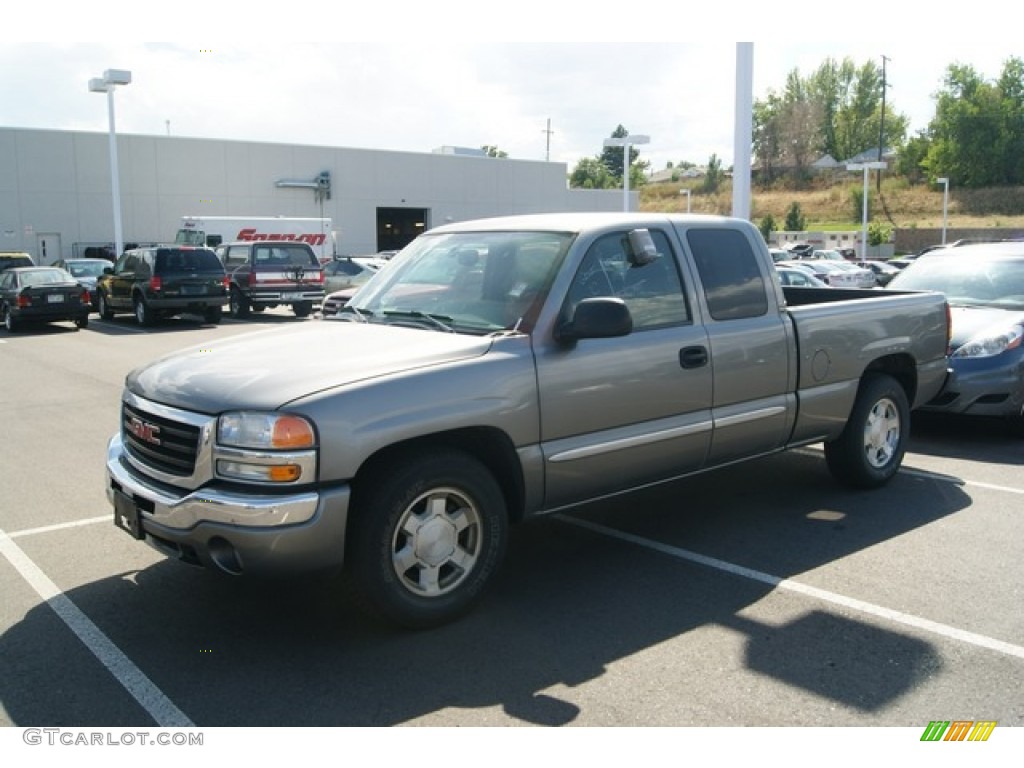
(500, 369)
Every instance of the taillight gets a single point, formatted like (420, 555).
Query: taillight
(155, 283)
(252, 279)
(318, 277)
(227, 282)
(24, 301)
(86, 298)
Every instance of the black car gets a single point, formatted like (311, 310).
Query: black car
(163, 281)
(43, 295)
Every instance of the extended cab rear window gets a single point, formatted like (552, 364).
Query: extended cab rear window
(733, 285)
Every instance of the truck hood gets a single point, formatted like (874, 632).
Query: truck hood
(268, 369)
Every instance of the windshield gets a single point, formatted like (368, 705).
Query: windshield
(967, 282)
(87, 268)
(464, 282)
(190, 237)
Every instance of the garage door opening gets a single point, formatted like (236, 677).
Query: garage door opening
(397, 227)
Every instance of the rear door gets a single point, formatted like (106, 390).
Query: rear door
(751, 342)
(620, 412)
(190, 272)
(292, 268)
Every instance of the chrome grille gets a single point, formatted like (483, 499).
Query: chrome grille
(171, 447)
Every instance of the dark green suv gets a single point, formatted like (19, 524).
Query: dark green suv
(163, 281)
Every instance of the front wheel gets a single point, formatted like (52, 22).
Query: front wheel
(427, 537)
(103, 307)
(870, 449)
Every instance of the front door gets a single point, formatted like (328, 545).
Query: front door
(620, 412)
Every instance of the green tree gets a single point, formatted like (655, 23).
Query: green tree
(795, 221)
(714, 176)
(977, 134)
(591, 173)
(767, 226)
(492, 151)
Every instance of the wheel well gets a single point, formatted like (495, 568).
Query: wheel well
(901, 368)
(490, 446)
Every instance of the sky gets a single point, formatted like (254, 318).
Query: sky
(424, 85)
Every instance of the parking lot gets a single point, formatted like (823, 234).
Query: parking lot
(758, 595)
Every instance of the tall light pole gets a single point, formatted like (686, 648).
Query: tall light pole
(945, 202)
(106, 84)
(626, 142)
(866, 167)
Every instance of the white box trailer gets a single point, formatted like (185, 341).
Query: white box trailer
(211, 231)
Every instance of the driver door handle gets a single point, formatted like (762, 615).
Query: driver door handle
(693, 357)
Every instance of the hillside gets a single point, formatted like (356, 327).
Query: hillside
(832, 205)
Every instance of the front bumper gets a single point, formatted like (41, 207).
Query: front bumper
(225, 530)
(982, 387)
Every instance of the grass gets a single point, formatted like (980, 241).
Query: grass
(833, 206)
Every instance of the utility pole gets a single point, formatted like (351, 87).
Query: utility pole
(547, 151)
(881, 126)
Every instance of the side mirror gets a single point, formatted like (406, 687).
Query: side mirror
(597, 318)
(642, 249)
(108, 270)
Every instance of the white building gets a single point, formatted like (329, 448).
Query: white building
(55, 189)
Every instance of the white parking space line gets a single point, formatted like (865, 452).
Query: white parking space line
(141, 688)
(61, 526)
(943, 630)
(952, 479)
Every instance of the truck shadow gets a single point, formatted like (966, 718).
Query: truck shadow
(954, 436)
(570, 603)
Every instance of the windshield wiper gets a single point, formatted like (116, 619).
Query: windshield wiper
(439, 321)
(362, 314)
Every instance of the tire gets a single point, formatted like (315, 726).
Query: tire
(11, 323)
(212, 315)
(302, 309)
(103, 308)
(238, 305)
(426, 539)
(870, 449)
(143, 314)
(82, 322)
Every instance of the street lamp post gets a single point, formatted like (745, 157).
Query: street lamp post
(866, 167)
(626, 142)
(945, 202)
(106, 84)
(687, 193)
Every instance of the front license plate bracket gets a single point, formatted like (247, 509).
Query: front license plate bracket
(127, 516)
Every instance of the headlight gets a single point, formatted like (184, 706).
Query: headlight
(258, 447)
(991, 342)
(265, 431)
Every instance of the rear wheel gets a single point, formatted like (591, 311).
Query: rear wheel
(237, 304)
(82, 322)
(143, 314)
(427, 537)
(212, 315)
(11, 323)
(302, 309)
(870, 449)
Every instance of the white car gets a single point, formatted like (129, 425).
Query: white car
(798, 277)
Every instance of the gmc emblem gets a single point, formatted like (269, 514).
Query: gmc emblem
(148, 433)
